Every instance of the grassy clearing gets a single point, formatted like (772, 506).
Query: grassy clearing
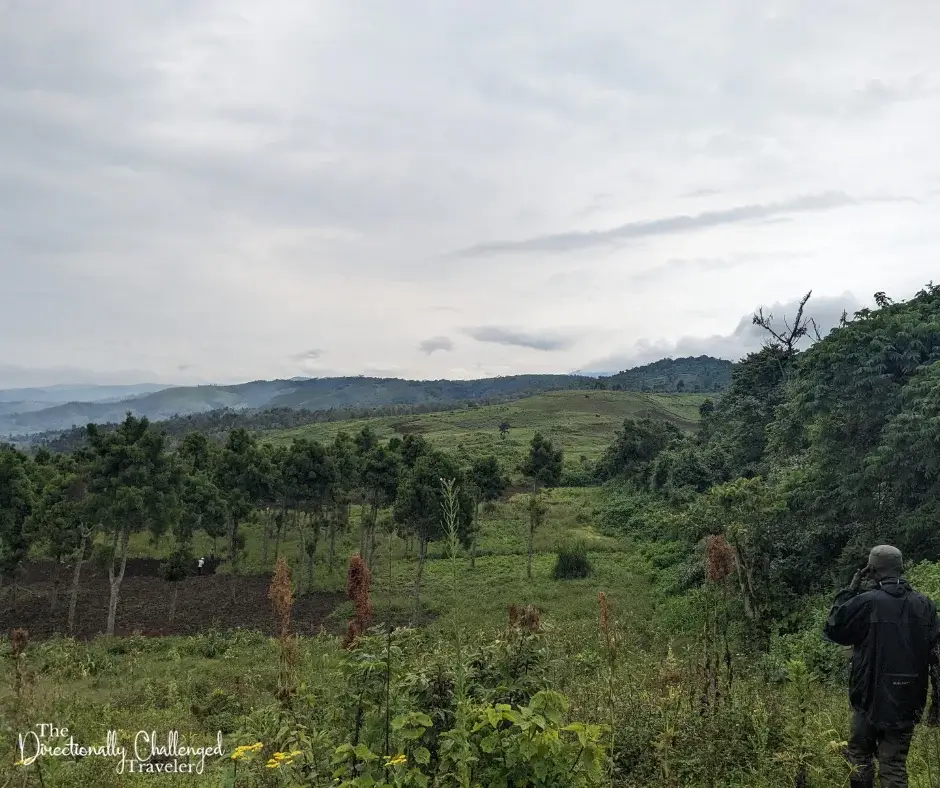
(582, 423)
(504, 532)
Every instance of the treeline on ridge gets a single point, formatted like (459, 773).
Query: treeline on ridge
(700, 374)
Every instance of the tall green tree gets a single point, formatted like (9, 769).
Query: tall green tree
(544, 464)
(135, 487)
(17, 498)
(537, 510)
(543, 468)
(204, 508)
(310, 477)
(411, 448)
(197, 453)
(281, 497)
(62, 522)
(366, 440)
(379, 472)
(269, 502)
(419, 505)
(487, 484)
(635, 447)
(346, 464)
(244, 475)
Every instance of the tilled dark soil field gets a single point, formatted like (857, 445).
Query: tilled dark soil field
(203, 603)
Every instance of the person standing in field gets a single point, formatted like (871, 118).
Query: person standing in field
(200, 564)
(894, 633)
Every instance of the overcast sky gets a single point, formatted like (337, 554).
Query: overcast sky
(224, 191)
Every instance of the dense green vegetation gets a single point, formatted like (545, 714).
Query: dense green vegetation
(597, 592)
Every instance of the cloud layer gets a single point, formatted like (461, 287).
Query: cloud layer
(668, 225)
(516, 337)
(433, 344)
(224, 191)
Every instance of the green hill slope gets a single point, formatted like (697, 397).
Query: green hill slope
(688, 374)
(324, 394)
(582, 423)
(314, 394)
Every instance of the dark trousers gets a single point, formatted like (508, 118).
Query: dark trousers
(890, 747)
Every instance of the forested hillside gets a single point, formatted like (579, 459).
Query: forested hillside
(281, 404)
(808, 459)
(320, 394)
(689, 374)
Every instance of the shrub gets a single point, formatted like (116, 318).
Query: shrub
(177, 567)
(572, 562)
(220, 711)
(100, 557)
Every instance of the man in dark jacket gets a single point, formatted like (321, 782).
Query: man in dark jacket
(894, 633)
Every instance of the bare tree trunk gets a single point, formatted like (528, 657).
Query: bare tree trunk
(115, 580)
(54, 593)
(333, 527)
(266, 535)
(232, 543)
(277, 541)
(305, 557)
(473, 541)
(536, 518)
(422, 554)
(233, 558)
(176, 591)
(750, 610)
(531, 550)
(76, 577)
(373, 524)
(315, 541)
(363, 527)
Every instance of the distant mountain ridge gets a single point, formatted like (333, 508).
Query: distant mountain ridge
(319, 394)
(64, 392)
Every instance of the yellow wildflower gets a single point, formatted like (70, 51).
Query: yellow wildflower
(281, 758)
(245, 749)
(396, 760)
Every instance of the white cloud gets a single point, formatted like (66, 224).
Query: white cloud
(200, 191)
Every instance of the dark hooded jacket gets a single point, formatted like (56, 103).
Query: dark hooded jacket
(894, 632)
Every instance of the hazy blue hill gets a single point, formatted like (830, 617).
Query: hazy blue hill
(702, 374)
(63, 393)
